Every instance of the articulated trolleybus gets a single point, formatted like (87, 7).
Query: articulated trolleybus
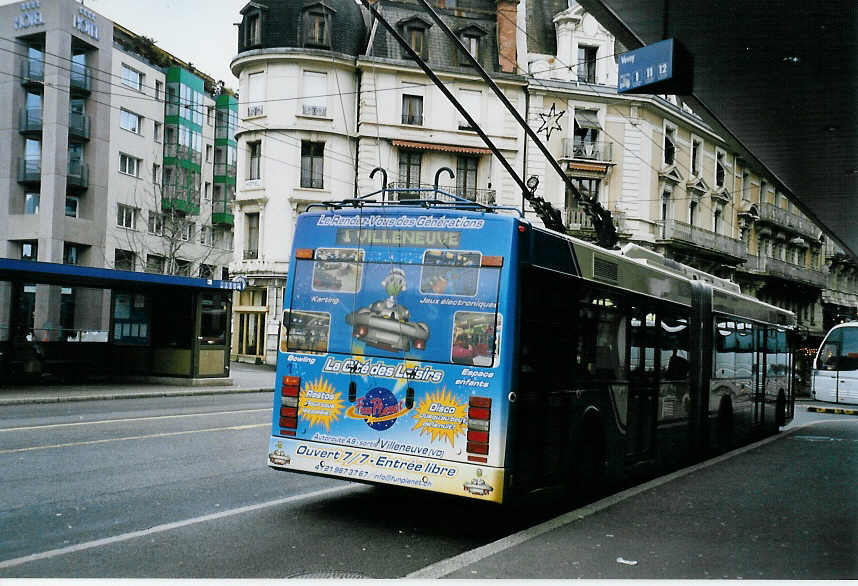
(452, 347)
(835, 368)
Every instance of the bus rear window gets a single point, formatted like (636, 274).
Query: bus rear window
(443, 309)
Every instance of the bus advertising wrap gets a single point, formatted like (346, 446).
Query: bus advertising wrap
(390, 352)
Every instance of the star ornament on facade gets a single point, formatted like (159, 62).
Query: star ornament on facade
(550, 121)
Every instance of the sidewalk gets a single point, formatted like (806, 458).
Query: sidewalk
(245, 378)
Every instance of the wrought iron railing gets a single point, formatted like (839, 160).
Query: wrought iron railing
(483, 196)
(591, 150)
(413, 119)
(310, 110)
(578, 219)
(701, 238)
(255, 110)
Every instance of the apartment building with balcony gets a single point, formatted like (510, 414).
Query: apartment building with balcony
(325, 99)
(85, 148)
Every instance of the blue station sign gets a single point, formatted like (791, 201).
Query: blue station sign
(660, 68)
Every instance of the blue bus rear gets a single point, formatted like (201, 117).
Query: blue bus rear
(395, 349)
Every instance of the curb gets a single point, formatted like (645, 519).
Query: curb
(134, 395)
(835, 410)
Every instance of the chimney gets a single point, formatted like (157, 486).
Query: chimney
(507, 12)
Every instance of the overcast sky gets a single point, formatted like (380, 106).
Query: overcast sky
(197, 31)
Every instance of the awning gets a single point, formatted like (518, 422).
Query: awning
(587, 119)
(445, 148)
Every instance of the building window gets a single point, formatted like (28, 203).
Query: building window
(206, 235)
(71, 254)
(466, 177)
(123, 260)
(159, 90)
(252, 29)
(315, 89)
(126, 216)
(256, 94)
(72, 206)
(207, 191)
(471, 100)
(409, 169)
(316, 29)
(587, 64)
(717, 219)
(746, 186)
(312, 164)
(695, 157)
(586, 135)
(154, 263)
(720, 169)
(130, 121)
(183, 267)
(206, 271)
(156, 174)
(669, 145)
(187, 231)
(251, 249)
(30, 250)
(129, 165)
(692, 212)
(255, 151)
(210, 114)
(209, 151)
(132, 78)
(156, 223)
(157, 129)
(415, 33)
(763, 188)
(412, 110)
(471, 40)
(31, 203)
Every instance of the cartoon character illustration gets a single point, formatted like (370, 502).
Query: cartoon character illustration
(385, 323)
(279, 458)
(478, 486)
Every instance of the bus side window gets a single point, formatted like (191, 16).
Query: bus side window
(849, 350)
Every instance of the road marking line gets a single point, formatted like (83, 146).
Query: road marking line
(152, 418)
(170, 526)
(446, 567)
(135, 437)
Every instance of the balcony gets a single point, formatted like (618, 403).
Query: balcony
(599, 150)
(226, 170)
(483, 196)
(771, 214)
(80, 80)
(412, 119)
(786, 271)
(30, 121)
(79, 126)
(310, 110)
(78, 176)
(29, 171)
(579, 220)
(185, 153)
(702, 241)
(180, 198)
(32, 72)
(222, 213)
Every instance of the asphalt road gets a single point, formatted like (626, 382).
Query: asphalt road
(178, 488)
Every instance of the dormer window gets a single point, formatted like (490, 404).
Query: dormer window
(415, 30)
(317, 25)
(251, 25)
(471, 37)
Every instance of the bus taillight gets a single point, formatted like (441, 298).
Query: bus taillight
(289, 392)
(479, 414)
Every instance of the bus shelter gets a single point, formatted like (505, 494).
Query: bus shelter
(72, 323)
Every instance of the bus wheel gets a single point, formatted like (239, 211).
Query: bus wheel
(780, 411)
(725, 424)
